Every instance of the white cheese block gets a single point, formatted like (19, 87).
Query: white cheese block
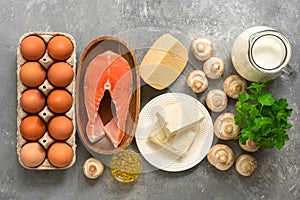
(176, 128)
(164, 62)
(158, 136)
(182, 141)
(178, 143)
(174, 118)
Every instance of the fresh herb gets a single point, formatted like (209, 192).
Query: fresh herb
(261, 118)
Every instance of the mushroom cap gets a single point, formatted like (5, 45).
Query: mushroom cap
(225, 127)
(221, 156)
(250, 146)
(245, 165)
(234, 85)
(202, 48)
(214, 67)
(197, 80)
(92, 168)
(216, 100)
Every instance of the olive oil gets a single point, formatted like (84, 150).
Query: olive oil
(126, 166)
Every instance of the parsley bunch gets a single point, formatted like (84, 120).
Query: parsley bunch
(261, 118)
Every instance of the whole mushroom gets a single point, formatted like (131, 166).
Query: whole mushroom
(92, 168)
(202, 48)
(216, 100)
(234, 85)
(250, 146)
(214, 67)
(197, 80)
(225, 127)
(245, 165)
(221, 156)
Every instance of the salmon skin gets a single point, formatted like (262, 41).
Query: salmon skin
(107, 74)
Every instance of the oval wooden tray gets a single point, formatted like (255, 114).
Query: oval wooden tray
(98, 46)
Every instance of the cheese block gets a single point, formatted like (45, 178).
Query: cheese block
(158, 136)
(175, 128)
(178, 143)
(164, 62)
(174, 118)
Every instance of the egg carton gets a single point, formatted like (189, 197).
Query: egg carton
(46, 140)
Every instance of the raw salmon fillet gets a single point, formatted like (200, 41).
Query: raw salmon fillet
(107, 74)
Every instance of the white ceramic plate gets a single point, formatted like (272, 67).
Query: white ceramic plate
(162, 158)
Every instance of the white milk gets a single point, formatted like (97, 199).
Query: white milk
(268, 52)
(260, 53)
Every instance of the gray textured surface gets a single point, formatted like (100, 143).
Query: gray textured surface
(278, 173)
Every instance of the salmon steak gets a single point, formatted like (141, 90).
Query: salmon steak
(107, 91)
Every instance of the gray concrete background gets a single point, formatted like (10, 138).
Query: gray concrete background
(278, 173)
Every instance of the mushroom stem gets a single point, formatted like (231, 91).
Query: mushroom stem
(222, 156)
(246, 166)
(92, 168)
(251, 143)
(236, 87)
(215, 66)
(228, 128)
(198, 83)
(217, 100)
(200, 47)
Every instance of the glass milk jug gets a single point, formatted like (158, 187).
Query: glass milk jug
(261, 53)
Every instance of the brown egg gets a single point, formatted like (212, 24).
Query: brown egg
(32, 47)
(32, 74)
(60, 48)
(60, 154)
(32, 154)
(60, 74)
(32, 128)
(59, 101)
(32, 101)
(60, 127)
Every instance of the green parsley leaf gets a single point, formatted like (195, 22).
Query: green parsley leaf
(253, 111)
(261, 117)
(266, 99)
(243, 97)
(282, 103)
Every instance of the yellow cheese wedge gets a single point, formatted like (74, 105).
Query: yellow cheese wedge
(164, 62)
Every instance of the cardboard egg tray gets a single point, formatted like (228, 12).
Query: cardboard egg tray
(46, 140)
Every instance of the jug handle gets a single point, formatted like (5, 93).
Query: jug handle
(288, 73)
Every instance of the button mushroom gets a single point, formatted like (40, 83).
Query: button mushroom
(245, 165)
(221, 156)
(214, 67)
(202, 48)
(225, 127)
(250, 146)
(92, 168)
(234, 85)
(216, 100)
(197, 80)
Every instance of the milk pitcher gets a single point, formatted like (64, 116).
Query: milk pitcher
(262, 53)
